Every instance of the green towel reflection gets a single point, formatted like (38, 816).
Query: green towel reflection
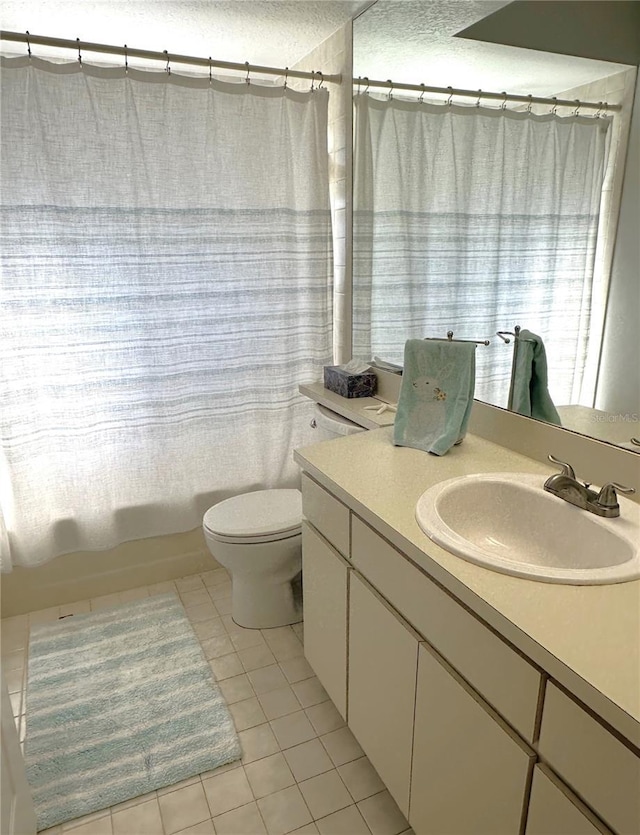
(530, 380)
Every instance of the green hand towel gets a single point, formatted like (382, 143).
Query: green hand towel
(530, 381)
(436, 395)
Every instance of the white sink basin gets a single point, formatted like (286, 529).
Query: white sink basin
(509, 523)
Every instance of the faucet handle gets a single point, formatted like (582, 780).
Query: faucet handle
(567, 469)
(607, 497)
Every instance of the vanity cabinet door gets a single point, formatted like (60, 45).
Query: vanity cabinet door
(591, 761)
(383, 657)
(325, 578)
(553, 809)
(499, 674)
(470, 770)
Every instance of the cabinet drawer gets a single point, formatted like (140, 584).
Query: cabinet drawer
(505, 679)
(326, 514)
(592, 761)
(553, 808)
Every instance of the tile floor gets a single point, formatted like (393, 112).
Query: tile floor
(302, 769)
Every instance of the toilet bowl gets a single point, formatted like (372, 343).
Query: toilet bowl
(257, 537)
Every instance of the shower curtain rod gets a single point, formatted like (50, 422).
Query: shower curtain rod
(479, 94)
(129, 52)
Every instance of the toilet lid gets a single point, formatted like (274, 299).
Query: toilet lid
(258, 514)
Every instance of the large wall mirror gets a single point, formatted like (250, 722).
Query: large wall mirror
(410, 227)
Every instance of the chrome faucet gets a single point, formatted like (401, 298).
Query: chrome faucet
(566, 486)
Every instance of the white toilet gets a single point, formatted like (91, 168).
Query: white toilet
(257, 537)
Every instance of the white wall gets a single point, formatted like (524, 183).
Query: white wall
(619, 383)
(335, 55)
(613, 89)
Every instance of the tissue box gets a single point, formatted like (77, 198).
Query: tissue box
(349, 385)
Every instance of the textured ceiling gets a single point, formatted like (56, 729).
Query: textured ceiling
(406, 40)
(414, 42)
(267, 32)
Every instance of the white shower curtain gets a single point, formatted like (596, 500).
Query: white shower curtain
(474, 220)
(166, 286)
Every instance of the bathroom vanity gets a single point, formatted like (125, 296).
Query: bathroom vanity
(488, 704)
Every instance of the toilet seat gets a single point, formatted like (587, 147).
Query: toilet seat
(260, 516)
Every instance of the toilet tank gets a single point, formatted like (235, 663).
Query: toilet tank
(329, 424)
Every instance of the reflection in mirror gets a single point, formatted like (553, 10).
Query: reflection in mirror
(475, 214)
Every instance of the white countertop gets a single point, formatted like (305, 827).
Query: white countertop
(586, 637)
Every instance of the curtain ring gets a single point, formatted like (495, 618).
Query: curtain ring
(28, 44)
(554, 109)
(421, 99)
(210, 76)
(503, 106)
(450, 89)
(126, 60)
(390, 97)
(313, 80)
(321, 79)
(366, 89)
(479, 97)
(79, 53)
(286, 74)
(576, 112)
(167, 69)
(247, 79)
(599, 110)
(530, 103)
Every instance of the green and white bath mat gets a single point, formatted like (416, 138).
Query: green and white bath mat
(120, 702)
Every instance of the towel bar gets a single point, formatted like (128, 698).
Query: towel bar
(451, 339)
